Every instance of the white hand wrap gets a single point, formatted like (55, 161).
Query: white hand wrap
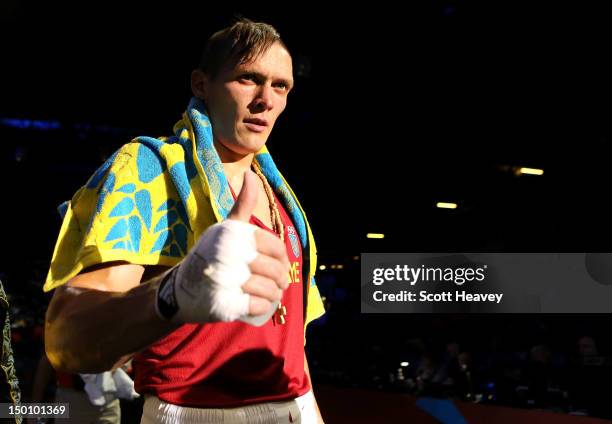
(207, 284)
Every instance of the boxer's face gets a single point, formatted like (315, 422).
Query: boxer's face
(244, 102)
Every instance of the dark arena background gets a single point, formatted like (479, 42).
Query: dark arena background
(396, 108)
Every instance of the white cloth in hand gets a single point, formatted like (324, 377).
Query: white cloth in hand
(105, 387)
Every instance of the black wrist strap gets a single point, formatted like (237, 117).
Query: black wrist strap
(166, 298)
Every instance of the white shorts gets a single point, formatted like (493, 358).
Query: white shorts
(300, 410)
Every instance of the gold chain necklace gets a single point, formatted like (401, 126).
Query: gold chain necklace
(277, 226)
(275, 217)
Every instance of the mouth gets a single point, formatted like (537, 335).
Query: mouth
(256, 124)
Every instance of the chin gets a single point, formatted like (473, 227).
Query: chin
(246, 148)
(253, 145)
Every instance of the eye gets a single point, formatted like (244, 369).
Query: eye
(283, 86)
(248, 77)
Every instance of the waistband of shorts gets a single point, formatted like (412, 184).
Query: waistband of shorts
(157, 410)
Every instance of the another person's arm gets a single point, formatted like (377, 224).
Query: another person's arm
(319, 416)
(42, 379)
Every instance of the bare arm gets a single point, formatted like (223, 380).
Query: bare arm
(42, 378)
(319, 417)
(103, 316)
(100, 318)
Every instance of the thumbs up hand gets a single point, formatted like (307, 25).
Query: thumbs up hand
(234, 271)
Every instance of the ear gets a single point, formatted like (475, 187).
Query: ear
(199, 84)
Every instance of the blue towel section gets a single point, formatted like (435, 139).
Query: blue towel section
(442, 410)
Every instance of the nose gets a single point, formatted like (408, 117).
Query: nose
(263, 101)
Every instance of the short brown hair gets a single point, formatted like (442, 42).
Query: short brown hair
(239, 43)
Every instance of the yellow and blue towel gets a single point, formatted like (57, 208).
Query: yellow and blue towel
(152, 199)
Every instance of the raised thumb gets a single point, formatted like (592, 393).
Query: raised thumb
(246, 199)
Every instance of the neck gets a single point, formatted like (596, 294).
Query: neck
(234, 164)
